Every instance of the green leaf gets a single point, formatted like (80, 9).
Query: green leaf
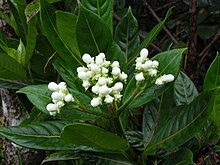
(89, 135)
(21, 53)
(39, 95)
(11, 84)
(184, 90)
(169, 63)
(126, 35)
(181, 157)
(102, 8)
(184, 124)
(10, 68)
(42, 135)
(212, 81)
(66, 25)
(92, 34)
(94, 158)
(151, 36)
(31, 39)
(135, 139)
(48, 21)
(32, 9)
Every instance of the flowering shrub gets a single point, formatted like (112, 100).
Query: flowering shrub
(111, 103)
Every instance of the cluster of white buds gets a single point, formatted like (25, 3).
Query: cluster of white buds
(144, 66)
(166, 78)
(103, 77)
(59, 96)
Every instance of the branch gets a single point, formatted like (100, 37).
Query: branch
(158, 19)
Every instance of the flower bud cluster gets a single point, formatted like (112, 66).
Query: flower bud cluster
(166, 78)
(59, 96)
(103, 77)
(144, 66)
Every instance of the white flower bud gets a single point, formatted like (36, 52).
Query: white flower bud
(106, 64)
(101, 55)
(57, 95)
(152, 72)
(169, 78)
(95, 68)
(86, 84)
(110, 80)
(82, 75)
(52, 107)
(118, 96)
(155, 64)
(139, 77)
(118, 86)
(104, 70)
(89, 74)
(147, 65)
(95, 89)
(87, 58)
(80, 69)
(159, 81)
(138, 65)
(95, 102)
(144, 53)
(138, 59)
(116, 71)
(52, 86)
(102, 80)
(69, 98)
(115, 64)
(104, 90)
(99, 61)
(62, 86)
(52, 113)
(108, 99)
(123, 76)
(60, 104)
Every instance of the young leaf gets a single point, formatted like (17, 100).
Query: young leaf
(89, 135)
(66, 25)
(102, 8)
(212, 81)
(126, 35)
(42, 135)
(48, 20)
(11, 69)
(39, 95)
(92, 39)
(21, 53)
(188, 120)
(184, 90)
(151, 36)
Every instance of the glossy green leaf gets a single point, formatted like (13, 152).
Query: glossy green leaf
(10, 68)
(66, 25)
(31, 40)
(212, 81)
(93, 35)
(184, 90)
(102, 8)
(39, 95)
(48, 21)
(185, 123)
(135, 139)
(126, 35)
(89, 135)
(21, 53)
(169, 63)
(181, 157)
(42, 135)
(11, 84)
(151, 36)
(93, 158)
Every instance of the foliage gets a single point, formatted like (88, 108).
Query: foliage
(170, 115)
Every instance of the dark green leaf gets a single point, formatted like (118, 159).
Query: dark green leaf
(181, 157)
(184, 124)
(48, 21)
(39, 95)
(43, 136)
(11, 84)
(135, 139)
(93, 35)
(10, 68)
(102, 8)
(66, 25)
(184, 90)
(126, 35)
(89, 135)
(151, 36)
